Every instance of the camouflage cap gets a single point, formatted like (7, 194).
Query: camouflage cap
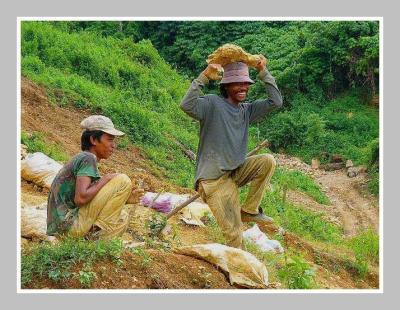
(100, 122)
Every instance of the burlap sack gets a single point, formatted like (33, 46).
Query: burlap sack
(33, 222)
(243, 268)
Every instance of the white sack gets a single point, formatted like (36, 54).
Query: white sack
(256, 236)
(243, 268)
(39, 169)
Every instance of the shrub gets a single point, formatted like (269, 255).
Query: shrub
(297, 274)
(295, 129)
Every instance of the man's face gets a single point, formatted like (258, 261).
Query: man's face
(105, 147)
(237, 92)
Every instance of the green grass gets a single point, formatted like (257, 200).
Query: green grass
(296, 180)
(55, 262)
(36, 143)
(366, 250)
(297, 274)
(299, 220)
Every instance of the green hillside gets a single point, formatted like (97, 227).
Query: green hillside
(127, 81)
(327, 72)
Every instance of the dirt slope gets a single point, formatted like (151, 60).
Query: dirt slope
(352, 207)
(61, 127)
(169, 270)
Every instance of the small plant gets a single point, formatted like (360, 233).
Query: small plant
(366, 246)
(86, 276)
(55, 261)
(156, 223)
(146, 259)
(300, 220)
(122, 143)
(366, 250)
(297, 274)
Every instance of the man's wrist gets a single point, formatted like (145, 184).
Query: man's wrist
(203, 78)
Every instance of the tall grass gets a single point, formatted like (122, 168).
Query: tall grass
(296, 180)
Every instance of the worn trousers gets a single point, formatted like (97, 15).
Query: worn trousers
(104, 210)
(222, 194)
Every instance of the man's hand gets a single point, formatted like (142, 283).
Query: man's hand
(262, 64)
(213, 71)
(135, 196)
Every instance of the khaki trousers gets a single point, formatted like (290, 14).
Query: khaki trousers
(104, 210)
(222, 195)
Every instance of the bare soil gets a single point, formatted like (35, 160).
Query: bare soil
(350, 208)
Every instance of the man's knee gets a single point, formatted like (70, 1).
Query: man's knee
(124, 180)
(269, 161)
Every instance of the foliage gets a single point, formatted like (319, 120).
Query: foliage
(146, 259)
(214, 229)
(366, 251)
(341, 126)
(35, 143)
(366, 246)
(126, 81)
(297, 274)
(113, 67)
(55, 261)
(156, 223)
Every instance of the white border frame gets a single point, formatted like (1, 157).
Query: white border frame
(199, 291)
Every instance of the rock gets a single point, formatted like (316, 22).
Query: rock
(314, 163)
(52, 239)
(352, 172)
(349, 163)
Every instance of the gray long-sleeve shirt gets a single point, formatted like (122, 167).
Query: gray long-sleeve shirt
(224, 126)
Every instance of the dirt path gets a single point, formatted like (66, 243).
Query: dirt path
(351, 206)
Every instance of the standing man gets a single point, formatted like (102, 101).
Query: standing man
(222, 166)
(80, 200)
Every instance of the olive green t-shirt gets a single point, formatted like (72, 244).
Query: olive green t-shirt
(61, 209)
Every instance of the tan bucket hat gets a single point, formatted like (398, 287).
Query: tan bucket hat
(236, 72)
(100, 122)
